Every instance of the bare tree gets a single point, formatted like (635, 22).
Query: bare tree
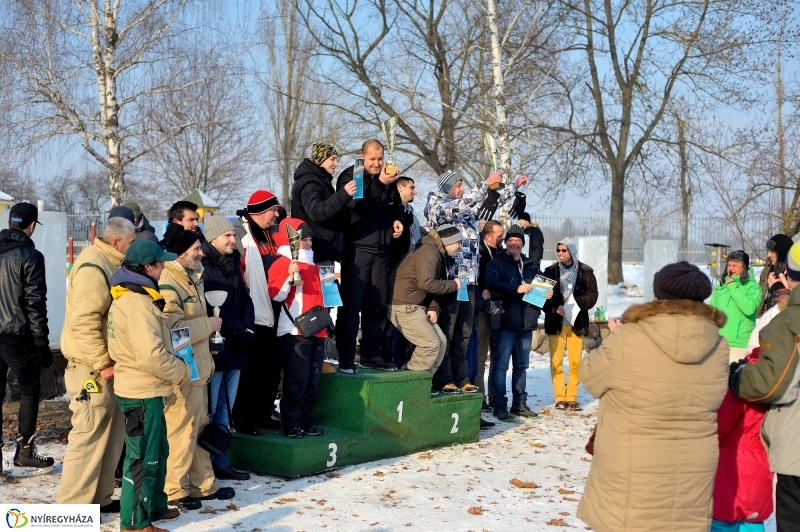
(17, 185)
(640, 56)
(90, 68)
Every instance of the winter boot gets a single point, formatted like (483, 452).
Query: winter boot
(26, 462)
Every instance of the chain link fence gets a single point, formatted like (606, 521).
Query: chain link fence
(751, 236)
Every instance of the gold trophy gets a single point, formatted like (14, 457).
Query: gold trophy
(494, 153)
(389, 128)
(295, 241)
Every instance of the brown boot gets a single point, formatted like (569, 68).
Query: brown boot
(148, 528)
(172, 513)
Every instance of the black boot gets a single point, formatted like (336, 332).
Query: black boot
(27, 462)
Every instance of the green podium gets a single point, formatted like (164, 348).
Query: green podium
(367, 416)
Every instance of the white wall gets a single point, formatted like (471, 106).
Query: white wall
(657, 254)
(593, 251)
(51, 239)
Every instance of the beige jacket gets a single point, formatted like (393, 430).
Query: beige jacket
(83, 339)
(186, 307)
(660, 377)
(140, 344)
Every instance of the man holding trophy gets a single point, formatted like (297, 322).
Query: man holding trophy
(451, 205)
(374, 222)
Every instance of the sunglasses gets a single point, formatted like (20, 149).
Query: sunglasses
(563, 250)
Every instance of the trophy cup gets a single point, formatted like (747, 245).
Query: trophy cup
(216, 298)
(295, 239)
(389, 128)
(494, 155)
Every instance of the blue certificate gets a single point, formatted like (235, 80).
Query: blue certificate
(330, 291)
(358, 177)
(183, 349)
(463, 291)
(539, 288)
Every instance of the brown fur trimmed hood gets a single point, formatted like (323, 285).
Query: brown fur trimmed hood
(687, 331)
(685, 307)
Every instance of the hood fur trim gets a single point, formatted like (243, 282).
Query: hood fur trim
(684, 307)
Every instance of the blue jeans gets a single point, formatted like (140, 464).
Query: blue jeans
(514, 346)
(219, 412)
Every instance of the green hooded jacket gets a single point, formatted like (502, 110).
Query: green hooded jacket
(739, 302)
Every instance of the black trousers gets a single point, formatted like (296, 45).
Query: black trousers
(457, 328)
(17, 358)
(787, 503)
(258, 384)
(365, 287)
(302, 370)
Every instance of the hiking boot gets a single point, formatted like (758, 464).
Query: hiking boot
(27, 462)
(296, 433)
(229, 473)
(575, 406)
(449, 388)
(110, 508)
(525, 412)
(561, 405)
(503, 415)
(378, 363)
(486, 424)
(171, 513)
(190, 503)
(434, 392)
(349, 369)
(220, 494)
(314, 430)
(469, 388)
(248, 429)
(485, 406)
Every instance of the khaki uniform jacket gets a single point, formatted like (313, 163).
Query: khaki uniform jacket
(83, 340)
(661, 376)
(186, 307)
(140, 344)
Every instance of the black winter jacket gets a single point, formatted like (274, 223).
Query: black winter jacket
(535, 244)
(585, 293)
(145, 231)
(320, 206)
(502, 279)
(223, 273)
(372, 217)
(481, 305)
(23, 291)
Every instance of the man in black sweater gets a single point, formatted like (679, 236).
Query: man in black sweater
(374, 222)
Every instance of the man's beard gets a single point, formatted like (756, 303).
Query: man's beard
(192, 265)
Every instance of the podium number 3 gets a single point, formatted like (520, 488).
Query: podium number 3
(332, 461)
(455, 423)
(400, 412)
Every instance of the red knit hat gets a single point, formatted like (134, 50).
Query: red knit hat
(261, 201)
(282, 236)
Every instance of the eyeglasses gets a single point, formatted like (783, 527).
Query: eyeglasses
(563, 250)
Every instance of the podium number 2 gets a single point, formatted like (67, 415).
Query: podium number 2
(400, 412)
(332, 461)
(455, 423)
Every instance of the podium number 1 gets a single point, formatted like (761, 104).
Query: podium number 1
(455, 423)
(333, 448)
(400, 412)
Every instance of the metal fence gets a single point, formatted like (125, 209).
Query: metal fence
(752, 236)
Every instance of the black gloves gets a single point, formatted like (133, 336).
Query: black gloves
(43, 356)
(519, 205)
(489, 207)
(734, 369)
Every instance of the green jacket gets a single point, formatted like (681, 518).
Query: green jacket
(739, 302)
(775, 379)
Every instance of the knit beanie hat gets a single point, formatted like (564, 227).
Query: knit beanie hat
(793, 262)
(741, 256)
(448, 234)
(177, 239)
(447, 180)
(681, 280)
(780, 244)
(320, 152)
(261, 201)
(214, 226)
(121, 211)
(515, 231)
(137, 211)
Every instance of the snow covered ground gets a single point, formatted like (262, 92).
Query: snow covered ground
(468, 487)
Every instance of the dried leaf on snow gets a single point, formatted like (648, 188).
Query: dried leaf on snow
(475, 510)
(522, 484)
